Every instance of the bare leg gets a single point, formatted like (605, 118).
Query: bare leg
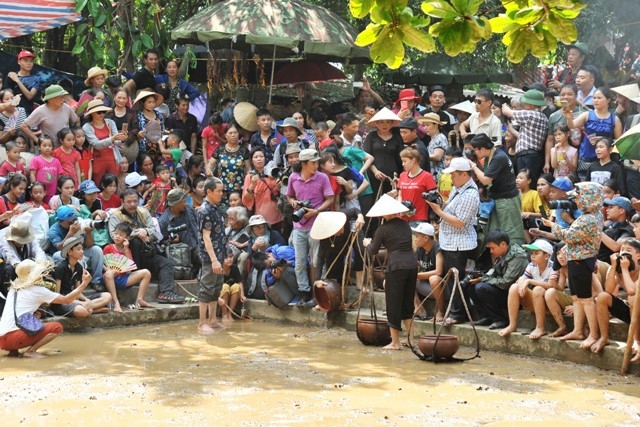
(223, 302)
(578, 322)
(438, 294)
(417, 309)
(603, 302)
(539, 308)
(213, 318)
(359, 279)
(99, 305)
(233, 303)
(203, 326)
(513, 305)
(32, 351)
(395, 340)
(110, 284)
(589, 308)
(551, 298)
(144, 277)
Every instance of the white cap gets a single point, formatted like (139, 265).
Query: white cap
(458, 164)
(540, 245)
(134, 179)
(424, 228)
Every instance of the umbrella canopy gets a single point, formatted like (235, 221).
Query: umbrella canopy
(292, 26)
(22, 17)
(628, 144)
(307, 71)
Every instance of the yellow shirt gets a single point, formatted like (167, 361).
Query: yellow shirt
(531, 201)
(445, 185)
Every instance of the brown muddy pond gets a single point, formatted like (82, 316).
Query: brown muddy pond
(257, 373)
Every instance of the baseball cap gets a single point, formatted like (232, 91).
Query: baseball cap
(621, 202)
(309, 155)
(540, 245)
(562, 184)
(424, 228)
(458, 164)
(175, 196)
(134, 179)
(65, 213)
(408, 123)
(88, 187)
(26, 54)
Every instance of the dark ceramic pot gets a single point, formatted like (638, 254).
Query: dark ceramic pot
(373, 331)
(378, 277)
(329, 296)
(446, 347)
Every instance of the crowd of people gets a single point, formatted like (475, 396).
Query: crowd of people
(528, 201)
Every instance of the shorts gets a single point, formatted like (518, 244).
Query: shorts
(620, 309)
(210, 284)
(230, 289)
(64, 310)
(15, 340)
(423, 288)
(121, 281)
(580, 276)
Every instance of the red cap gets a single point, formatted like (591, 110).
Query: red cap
(25, 54)
(407, 95)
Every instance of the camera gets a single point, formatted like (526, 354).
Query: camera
(567, 205)
(304, 206)
(96, 224)
(409, 205)
(278, 263)
(432, 196)
(469, 154)
(173, 231)
(629, 257)
(473, 274)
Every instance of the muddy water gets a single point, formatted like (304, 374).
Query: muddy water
(268, 374)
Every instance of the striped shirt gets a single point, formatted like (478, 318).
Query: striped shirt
(463, 204)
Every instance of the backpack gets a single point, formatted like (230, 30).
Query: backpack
(180, 254)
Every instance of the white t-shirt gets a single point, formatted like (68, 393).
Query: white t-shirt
(491, 127)
(28, 302)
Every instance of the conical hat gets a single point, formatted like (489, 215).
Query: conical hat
(245, 115)
(387, 205)
(327, 224)
(384, 114)
(629, 91)
(465, 107)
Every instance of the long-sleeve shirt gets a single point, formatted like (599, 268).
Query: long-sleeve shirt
(508, 268)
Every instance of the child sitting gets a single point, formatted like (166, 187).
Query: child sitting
(13, 164)
(232, 288)
(114, 280)
(530, 288)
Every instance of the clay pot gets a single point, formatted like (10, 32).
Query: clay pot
(446, 347)
(378, 277)
(380, 258)
(329, 296)
(373, 331)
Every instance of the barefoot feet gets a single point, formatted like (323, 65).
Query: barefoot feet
(599, 345)
(537, 333)
(572, 336)
(205, 329)
(507, 331)
(33, 355)
(143, 304)
(586, 344)
(392, 346)
(561, 331)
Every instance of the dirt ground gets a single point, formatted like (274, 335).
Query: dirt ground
(257, 373)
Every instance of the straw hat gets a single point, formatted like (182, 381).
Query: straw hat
(144, 94)
(292, 149)
(245, 115)
(20, 232)
(30, 272)
(327, 224)
(628, 91)
(387, 205)
(289, 122)
(69, 244)
(385, 114)
(96, 105)
(430, 118)
(257, 220)
(465, 107)
(93, 72)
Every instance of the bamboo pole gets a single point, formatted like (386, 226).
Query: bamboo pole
(633, 327)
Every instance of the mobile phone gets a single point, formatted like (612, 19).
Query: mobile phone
(125, 127)
(357, 85)
(538, 222)
(404, 105)
(563, 104)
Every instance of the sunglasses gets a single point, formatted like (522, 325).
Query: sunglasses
(100, 112)
(480, 101)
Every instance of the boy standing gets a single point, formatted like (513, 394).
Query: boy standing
(23, 83)
(213, 250)
(530, 288)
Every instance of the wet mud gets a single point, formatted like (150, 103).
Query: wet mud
(257, 373)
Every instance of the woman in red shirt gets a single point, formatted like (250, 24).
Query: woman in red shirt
(413, 182)
(108, 196)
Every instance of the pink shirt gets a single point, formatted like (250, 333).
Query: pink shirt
(7, 168)
(47, 172)
(68, 162)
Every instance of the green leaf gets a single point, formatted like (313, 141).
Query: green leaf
(99, 34)
(502, 24)
(563, 29)
(136, 51)
(368, 35)
(93, 6)
(420, 21)
(147, 41)
(519, 44)
(100, 18)
(456, 37)
(80, 5)
(388, 49)
(467, 7)
(418, 39)
(528, 15)
(439, 9)
(360, 8)
(481, 28)
(77, 49)
(81, 28)
(381, 15)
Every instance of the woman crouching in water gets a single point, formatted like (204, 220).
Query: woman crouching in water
(402, 268)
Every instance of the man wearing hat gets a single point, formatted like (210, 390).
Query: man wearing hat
(291, 131)
(66, 227)
(51, 117)
(267, 136)
(308, 185)
(458, 238)
(409, 133)
(437, 99)
(144, 78)
(576, 56)
(430, 270)
(534, 127)
(17, 243)
(617, 228)
(137, 182)
(23, 83)
(179, 215)
(483, 120)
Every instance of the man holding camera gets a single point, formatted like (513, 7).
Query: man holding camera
(179, 222)
(458, 238)
(67, 227)
(618, 228)
(309, 193)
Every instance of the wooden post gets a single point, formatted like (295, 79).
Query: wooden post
(633, 327)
